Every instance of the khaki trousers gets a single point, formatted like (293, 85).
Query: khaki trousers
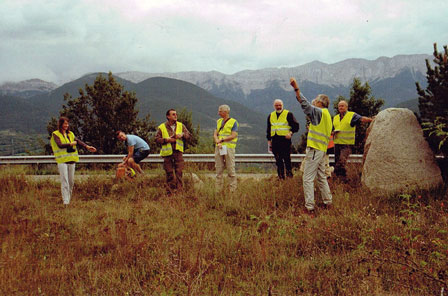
(225, 161)
(315, 167)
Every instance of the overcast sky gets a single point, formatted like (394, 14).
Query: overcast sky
(61, 40)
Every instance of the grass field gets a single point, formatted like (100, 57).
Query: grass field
(128, 238)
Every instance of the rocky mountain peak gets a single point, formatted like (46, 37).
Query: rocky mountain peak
(30, 84)
(337, 74)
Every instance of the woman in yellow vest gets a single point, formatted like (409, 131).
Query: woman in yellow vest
(63, 143)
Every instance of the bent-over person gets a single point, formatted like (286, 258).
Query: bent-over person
(138, 150)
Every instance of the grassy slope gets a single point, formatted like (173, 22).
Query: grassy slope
(130, 239)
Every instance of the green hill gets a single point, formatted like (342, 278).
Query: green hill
(410, 104)
(20, 115)
(155, 96)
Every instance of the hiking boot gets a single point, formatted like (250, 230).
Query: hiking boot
(311, 213)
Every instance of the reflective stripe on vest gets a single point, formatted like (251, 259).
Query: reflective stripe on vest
(167, 148)
(346, 132)
(319, 135)
(60, 154)
(280, 125)
(226, 131)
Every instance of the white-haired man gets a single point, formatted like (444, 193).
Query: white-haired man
(225, 136)
(281, 125)
(316, 147)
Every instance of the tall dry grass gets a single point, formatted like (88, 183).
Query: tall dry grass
(131, 239)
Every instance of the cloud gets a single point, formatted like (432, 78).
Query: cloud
(62, 40)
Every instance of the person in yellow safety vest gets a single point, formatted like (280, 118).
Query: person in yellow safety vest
(317, 142)
(225, 137)
(171, 135)
(64, 145)
(344, 135)
(281, 124)
(138, 150)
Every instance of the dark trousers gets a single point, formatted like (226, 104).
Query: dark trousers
(341, 154)
(281, 148)
(173, 166)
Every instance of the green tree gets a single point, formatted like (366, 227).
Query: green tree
(364, 103)
(186, 118)
(102, 109)
(433, 102)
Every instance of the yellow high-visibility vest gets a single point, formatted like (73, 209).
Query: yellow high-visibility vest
(61, 155)
(280, 125)
(167, 149)
(345, 134)
(226, 131)
(319, 135)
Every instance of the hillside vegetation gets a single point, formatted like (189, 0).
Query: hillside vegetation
(155, 97)
(20, 143)
(130, 239)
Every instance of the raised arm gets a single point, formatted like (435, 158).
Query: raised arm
(294, 84)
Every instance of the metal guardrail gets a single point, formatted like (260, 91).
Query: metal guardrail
(155, 158)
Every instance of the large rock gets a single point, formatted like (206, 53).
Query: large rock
(397, 158)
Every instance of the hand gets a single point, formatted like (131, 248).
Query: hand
(73, 143)
(288, 136)
(293, 82)
(91, 148)
(219, 145)
(178, 136)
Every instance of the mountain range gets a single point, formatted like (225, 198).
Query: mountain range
(27, 88)
(28, 105)
(385, 75)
